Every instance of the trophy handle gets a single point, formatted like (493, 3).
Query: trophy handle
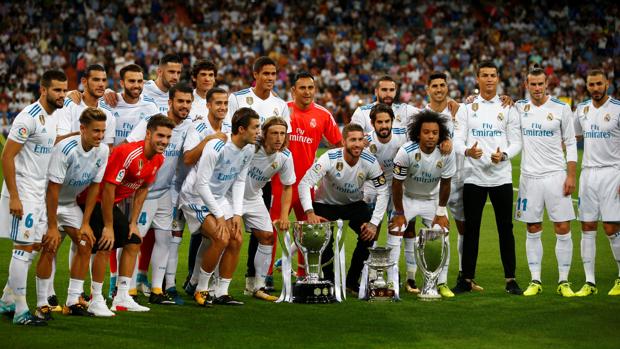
(287, 289)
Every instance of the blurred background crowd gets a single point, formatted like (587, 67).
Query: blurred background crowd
(345, 44)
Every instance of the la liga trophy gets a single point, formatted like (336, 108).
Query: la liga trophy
(431, 253)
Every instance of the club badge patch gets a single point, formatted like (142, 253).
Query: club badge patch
(607, 117)
(249, 100)
(474, 107)
(500, 116)
(373, 148)
(339, 166)
(550, 117)
(439, 164)
(585, 110)
(526, 108)
(274, 165)
(42, 119)
(418, 156)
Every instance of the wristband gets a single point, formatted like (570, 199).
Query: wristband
(441, 211)
(399, 213)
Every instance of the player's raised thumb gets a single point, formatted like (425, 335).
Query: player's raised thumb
(498, 150)
(475, 145)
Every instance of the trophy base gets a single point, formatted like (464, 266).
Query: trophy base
(429, 297)
(383, 294)
(315, 293)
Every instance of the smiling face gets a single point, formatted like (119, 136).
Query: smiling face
(180, 105)
(92, 134)
(266, 77)
(218, 105)
(303, 92)
(55, 94)
(437, 90)
(133, 83)
(354, 143)
(383, 125)
(205, 80)
(159, 138)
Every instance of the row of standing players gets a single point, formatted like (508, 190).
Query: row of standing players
(350, 175)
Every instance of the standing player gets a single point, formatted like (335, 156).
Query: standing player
(310, 123)
(132, 167)
(94, 82)
(201, 132)
(547, 178)
(270, 158)
(132, 106)
(266, 104)
(77, 164)
(386, 93)
(206, 201)
(426, 175)
(598, 122)
(342, 173)
(203, 75)
(487, 172)
(157, 208)
(25, 158)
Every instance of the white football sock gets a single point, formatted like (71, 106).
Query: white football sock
(614, 242)
(50, 285)
(18, 276)
(588, 254)
(76, 287)
(262, 259)
(443, 276)
(96, 289)
(394, 242)
(42, 288)
(7, 294)
(173, 261)
(222, 286)
(124, 283)
(564, 254)
(460, 249)
(412, 267)
(204, 244)
(159, 257)
(534, 252)
(203, 281)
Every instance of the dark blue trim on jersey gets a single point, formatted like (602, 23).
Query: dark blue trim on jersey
(367, 107)
(102, 105)
(335, 155)
(201, 127)
(411, 147)
(557, 101)
(585, 102)
(218, 146)
(368, 157)
(286, 152)
(399, 131)
(242, 92)
(69, 146)
(614, 101)
(523, 101)
(35, 110)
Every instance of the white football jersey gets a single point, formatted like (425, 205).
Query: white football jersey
(36, 131)
(265, 108)
(492, 126)
(199, 110)
(200, 129)
(402, 116)
(128, 115)
(160, 97)
(75, 168)
(342, 184)
(385, 152)
(69, 118)
(459, 157)
(264, 166)
(222, 167)
(172, 154)
(422, 172)
(600, 128)
(543, 129)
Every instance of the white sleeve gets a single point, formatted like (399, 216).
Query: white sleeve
(379, 182)
(287, 171)
(513, 132)
(64, 118)
(460, 131)
(233, 105)
(449, 166)
(568, 134)
(360, 119)
(312, 176)
(238, 189)
(138, 133)
(110, 130)
(577, 124)
(192, 139)
(23, 126)
(59, 163)
(206, 166)
(105, 152)
(401, 163)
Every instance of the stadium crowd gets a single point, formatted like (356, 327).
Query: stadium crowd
(342, 43)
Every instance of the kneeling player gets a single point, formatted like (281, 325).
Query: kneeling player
(270, 159)
(206, 201)
(426, 175)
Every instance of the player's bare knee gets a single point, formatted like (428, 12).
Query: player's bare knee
(84, 248)
(534, 227)
(562, 228)
(611, 228)
(589, 226)
(264, 237)
(235, 242)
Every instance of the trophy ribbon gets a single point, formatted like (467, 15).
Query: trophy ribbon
(287, 289)
(340, 283)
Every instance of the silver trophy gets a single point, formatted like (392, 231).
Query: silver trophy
(311, 240)
(431, 252)
(378, 264)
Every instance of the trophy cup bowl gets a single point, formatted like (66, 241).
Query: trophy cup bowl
(378, 264)
(431, 252)
(311, 240)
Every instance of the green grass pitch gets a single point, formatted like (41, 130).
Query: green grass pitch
(490, 319)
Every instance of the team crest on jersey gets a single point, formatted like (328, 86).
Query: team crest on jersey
(381, 180)
(439, 164)
(373, 148)
(418, 156)
(249, 100)
(274, 165)
(22, 131)
(317, 168)
(474, 107)
(396, 169)
(519, 214)
(120, 175)
(360, 178)
(313, 123)
(98, 163)
(339, 166)
(500, 116)
(585, 110)
(275, 112)
(607, 117)
(397, 117)
(550, 117)
(42, 119)
(526, 108)
(27, 234)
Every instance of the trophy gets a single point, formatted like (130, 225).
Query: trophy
(311, 240)
(431, 252)
(378, 263)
